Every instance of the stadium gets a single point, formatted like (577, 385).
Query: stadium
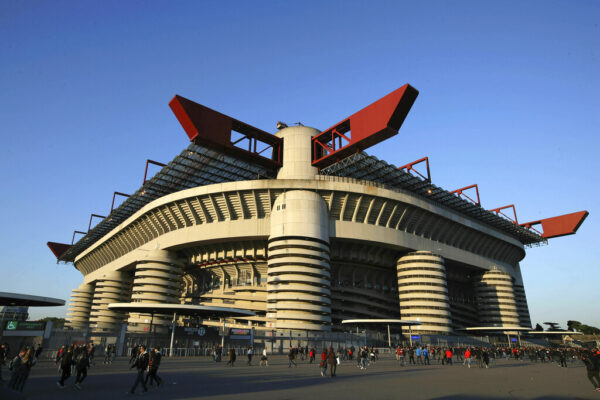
(304, 229)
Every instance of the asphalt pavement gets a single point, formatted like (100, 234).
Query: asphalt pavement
(200, 378)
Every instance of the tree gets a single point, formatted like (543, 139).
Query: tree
(538, 328)
(56, 322)
(583, 328)
(573, 325)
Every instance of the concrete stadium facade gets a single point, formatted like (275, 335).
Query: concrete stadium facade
(303, 251)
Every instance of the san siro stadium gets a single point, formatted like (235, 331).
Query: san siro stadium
(306, 230)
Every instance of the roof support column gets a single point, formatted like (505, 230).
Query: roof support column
(496, 302)
(423, 291)
(299, 278)
(80, 306)
(158, 279)
(114, 287)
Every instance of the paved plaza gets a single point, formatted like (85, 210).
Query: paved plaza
(200, 378)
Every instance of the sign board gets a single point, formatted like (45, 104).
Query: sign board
(513, 339)
(415, 337)
(202, 331)
(241, 334)
(24, 326)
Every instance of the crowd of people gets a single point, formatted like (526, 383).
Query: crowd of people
(76, 359)
(19, 366)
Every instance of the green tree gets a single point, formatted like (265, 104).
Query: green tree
(573, 325)
(583, 328)
(56, 322)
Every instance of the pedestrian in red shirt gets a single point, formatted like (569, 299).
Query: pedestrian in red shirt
(468, 358)
(449, 356)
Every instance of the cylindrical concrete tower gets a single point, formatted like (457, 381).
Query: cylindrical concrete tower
(522, 307)
(299, 280)
(158, 279)
(297, 155)
(113, 287)
(298, 285)
(521, 299)
(423, 291)
(496, 299)
(80, 306)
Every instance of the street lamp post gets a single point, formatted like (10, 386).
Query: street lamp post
(172, 335)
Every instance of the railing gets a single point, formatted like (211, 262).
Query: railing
(201, 352)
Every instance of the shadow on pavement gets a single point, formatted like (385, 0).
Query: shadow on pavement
(471, 397)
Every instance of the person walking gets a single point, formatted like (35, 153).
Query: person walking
(59, 355)
(411, 356)
(20, 366)
(214, 354)
(467, 358)
(485, 357)
(3, 357)
(563, 358)
(332, 362)
(82, 362)
(479, 357)
(107, 351)
(264, 358)
(141, 364)
(292, 358)
(13, 367)
(449, 356)
(401, 357)
(134, 353)
(153, 364)
(324, 362)
(592, 365)
(91, 350)
(232, 357)
(66, 361)
(311, 355)
(250, 353)
(426, 356)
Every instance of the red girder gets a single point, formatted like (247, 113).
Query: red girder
(460, 192)
(369, 126)
(410, 167)
(76, 232)
(112, 205)
(211, 128)
(91, 217)
(58, 249)
(562, 225)
(498, 211)
(154, 163)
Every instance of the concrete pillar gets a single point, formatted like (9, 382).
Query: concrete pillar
(423, 291)
(298, 269)
(522, 307)
(521, 299)
(114, 287)
(496, 302)
(297, 154)
(158, 279)
(298, 285)
(80, 306)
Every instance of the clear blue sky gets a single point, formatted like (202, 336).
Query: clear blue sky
(508, 99)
